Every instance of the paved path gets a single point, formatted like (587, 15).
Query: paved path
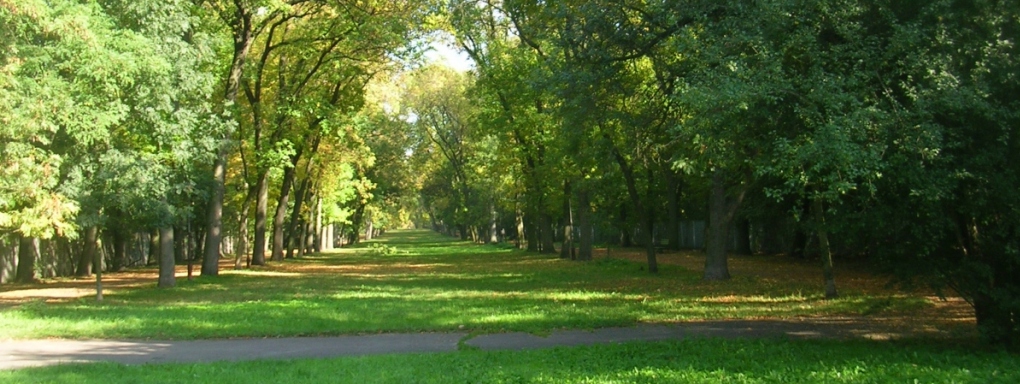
(17, 354)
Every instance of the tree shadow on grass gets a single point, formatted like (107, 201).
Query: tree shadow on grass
(482, 291)
(685, 361)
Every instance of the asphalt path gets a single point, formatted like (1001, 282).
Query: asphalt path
(16, 354)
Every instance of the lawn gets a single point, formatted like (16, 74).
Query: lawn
(689, 361)
(411, 281)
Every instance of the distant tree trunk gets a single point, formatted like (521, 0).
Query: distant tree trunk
(88, 252)
(97, 267)
(493, 226)
(743, 237)
(370, 229)
(799, 248)
(296, 220)
(531, 231)
(120, 243)
(818, 211)
(673, 214)
(567, 250)
(625, 231)
(546, 233)
(258, 254)
(721, 212)
(28, 253)
(649, 224)
(153, 257)
(241, 250)
(210, 256)
(317, 232)
(198, 242)
(307, 240)
(294, 239)
(642, 208)
(167, 279)
(281, 208)
(585, 227)
(519, 226)
(179, 247)
(800, 239)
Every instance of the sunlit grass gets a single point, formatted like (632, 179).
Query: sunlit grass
(687, 361)
(426, 282)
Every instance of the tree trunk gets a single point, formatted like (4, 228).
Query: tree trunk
(97, 266)
(167, 278)
(28, 253)
(818, 212)
(721, 212)
(567, 250)
(281, 211)
(243, 35)
(88, 252)
(214, 218)
(584, 222)
(258, 256)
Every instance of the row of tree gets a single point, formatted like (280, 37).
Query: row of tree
(885, 130)
(186, 119)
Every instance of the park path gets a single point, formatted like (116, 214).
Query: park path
(30, 353)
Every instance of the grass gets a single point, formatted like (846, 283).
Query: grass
(410, 281)
(689, 361)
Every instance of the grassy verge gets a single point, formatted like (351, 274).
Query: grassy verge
(690, 361)
(419, 281)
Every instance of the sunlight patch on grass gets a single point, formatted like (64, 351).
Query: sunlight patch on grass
(686, 361)
(754, 299)
(473, 285)
(260, 273)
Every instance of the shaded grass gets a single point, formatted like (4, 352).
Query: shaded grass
(688, 361)
(419, 281)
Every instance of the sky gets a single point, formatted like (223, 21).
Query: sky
(442, 52)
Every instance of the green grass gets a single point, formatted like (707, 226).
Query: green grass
(689, 361)
(419, 281)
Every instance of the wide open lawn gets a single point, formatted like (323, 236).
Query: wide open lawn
(410, 281)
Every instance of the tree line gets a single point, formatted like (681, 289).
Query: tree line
(876, 130)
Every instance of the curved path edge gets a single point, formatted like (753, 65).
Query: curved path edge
(16, 354)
